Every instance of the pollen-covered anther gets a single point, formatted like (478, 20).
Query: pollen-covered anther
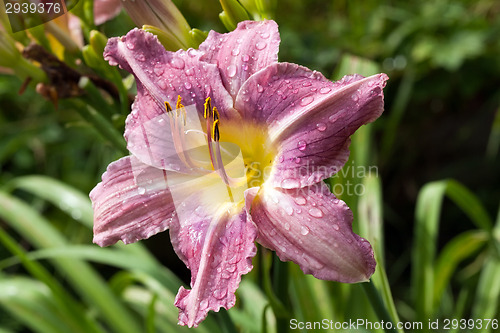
(208, 107)
(168, 108)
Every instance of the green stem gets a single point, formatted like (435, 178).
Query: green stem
(280, 287)
(377, 304)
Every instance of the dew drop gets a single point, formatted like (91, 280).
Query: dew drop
(130, 45)
(304, 230)
(336, 227)
(231, 70)
(332, 118)
(177, 63)
(192, 53)
(189, 72)
(204, 304)
(289, 210)
(306, 84)
(325, 90)
(315, 212)
(321, 127)
(260, 88)
(245, 57)
(290, 183)
(301, 145)
(158, 69)
(355, 96)
(287, 226)
(162, 84)
(140, 57)
(141, 190)
(265, 35)
(272, 232)
(235, 52)
(297, 160)
(282, 158)
(187, 85)
(300, 200)
(306, 100)
(260, 45)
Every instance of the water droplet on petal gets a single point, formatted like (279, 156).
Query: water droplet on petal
(141, 190)
(162, 84)
(282, 158)
(192, 53)
(290, 183)
(260, 45)
(306, 100)
(332, 118)
(158, 69)
(304, 230)
(177, 63)
(220, 293)
(321, 127)
(189, 72)
(140, 57)
(265, 35)
(306, 84)
(231, 70)
(287, 226)
(336, 227)
(325, 90)
(301, 145)
(315, 212)
(297, 160)
(187, 85)
(235, 52)
(130, 45)
(260, 88)
(300, 200)
(245, 57)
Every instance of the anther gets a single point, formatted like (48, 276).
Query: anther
(179, 105)
(168, 107)
(215, 130)
(208, 106)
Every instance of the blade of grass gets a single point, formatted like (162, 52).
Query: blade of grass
(370, 224)
(70, 311)
(488, 290)
(459, 248)
(91, 287)
(31, 302)
(427, 214)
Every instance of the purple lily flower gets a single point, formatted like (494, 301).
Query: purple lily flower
(243, 161)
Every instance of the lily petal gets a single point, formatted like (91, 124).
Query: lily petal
(312, 228)
(242, 52)
(127, 207)
(105, 10)
(218, 248)
(162, 76)
(309, 117)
